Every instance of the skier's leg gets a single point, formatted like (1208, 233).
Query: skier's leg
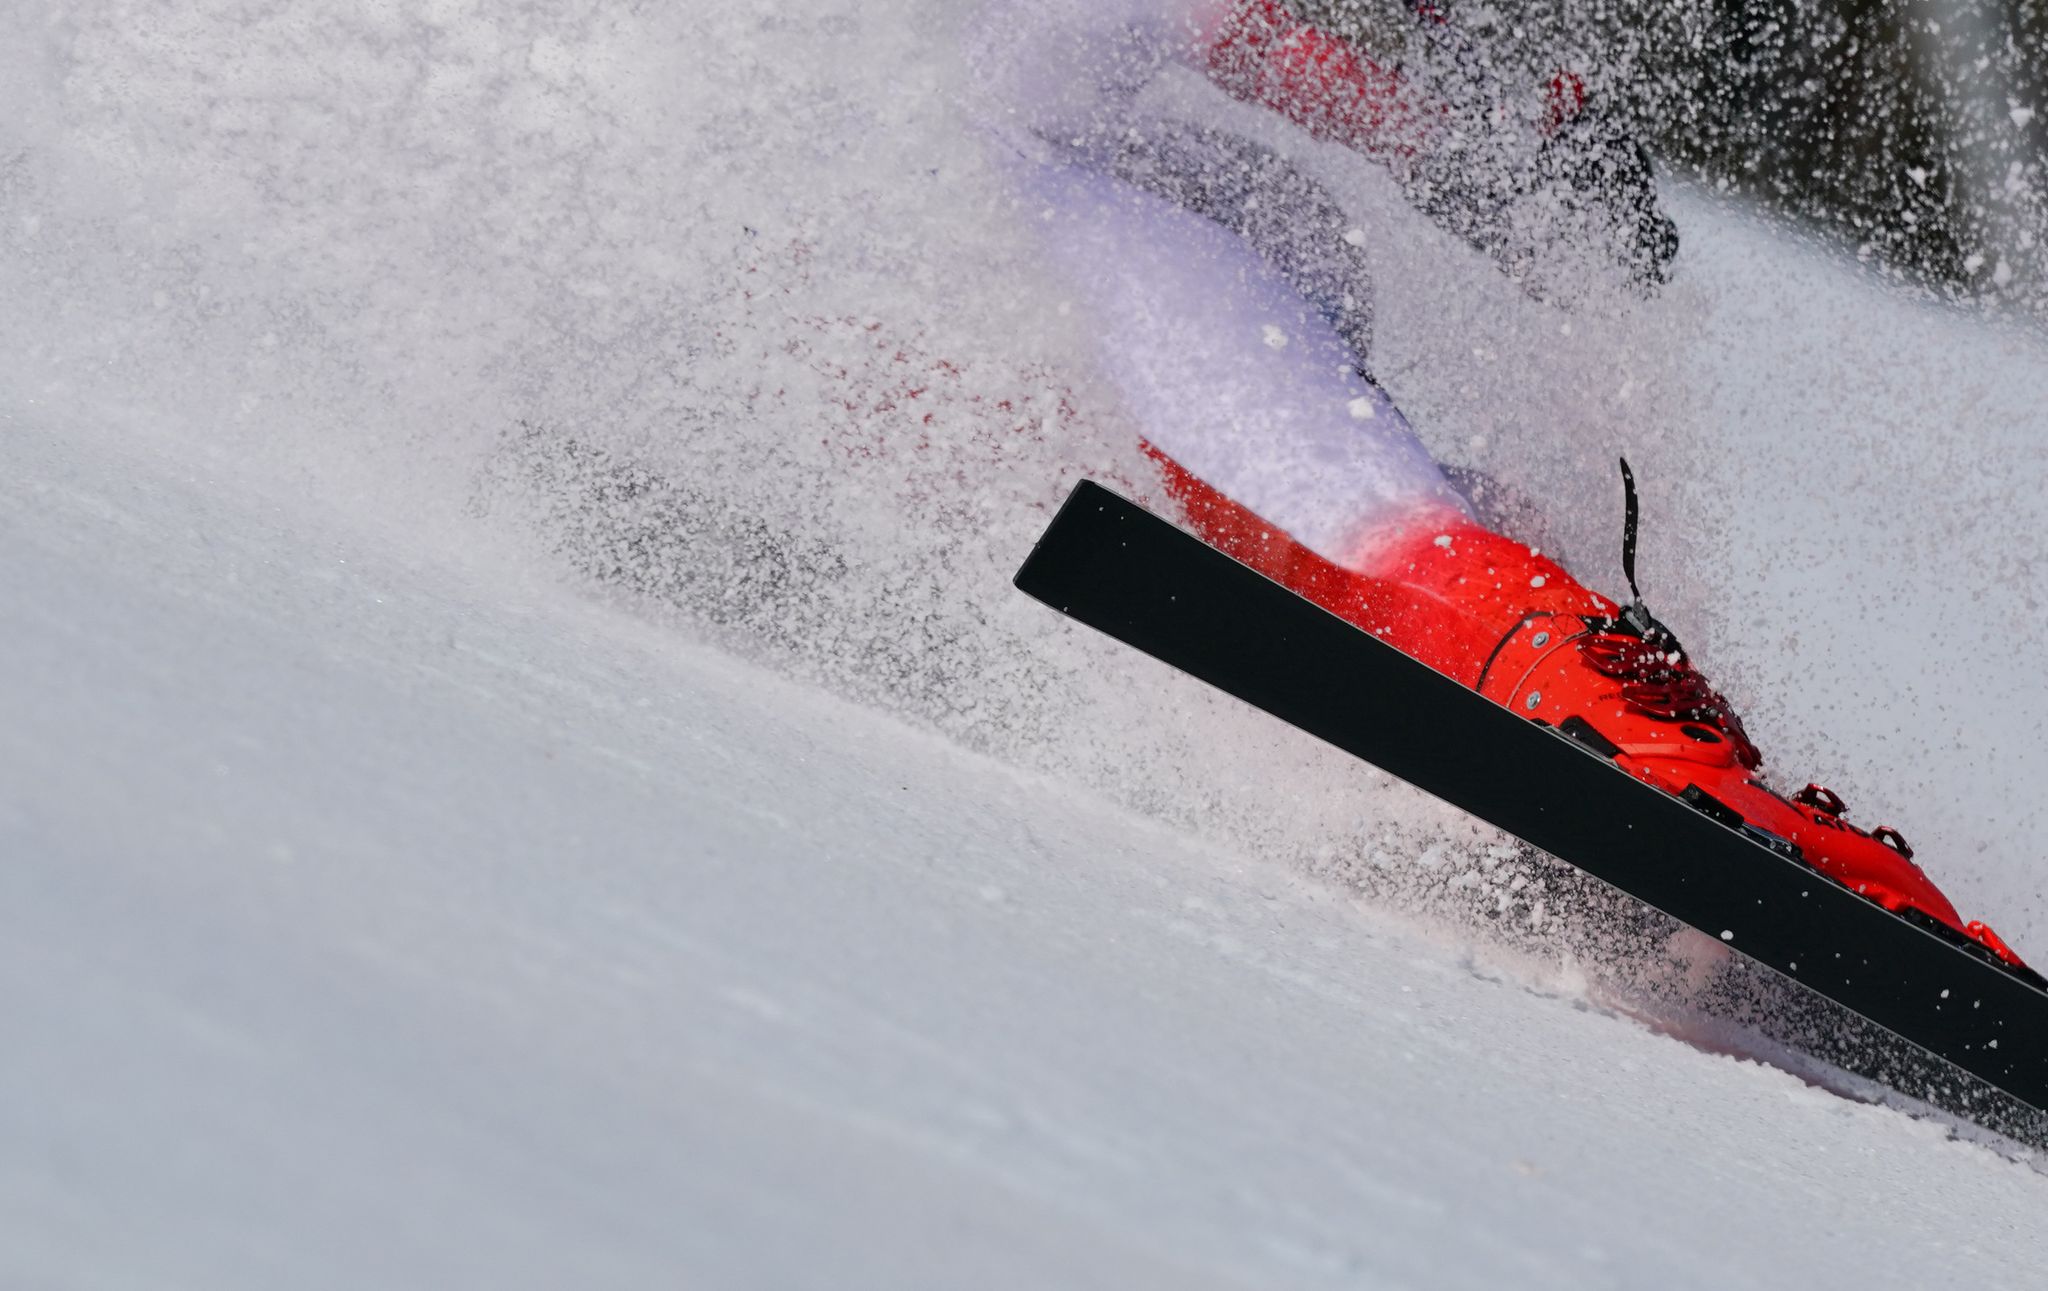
(1298, 228)
(1280, 211)
(1231, 372)
(1223, 294)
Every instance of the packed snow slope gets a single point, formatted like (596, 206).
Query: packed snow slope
(521, 765)
(371, 920)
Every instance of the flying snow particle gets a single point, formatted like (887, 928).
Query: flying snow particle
(1727, 934)
(2001, 275)
(2021, 115)
(1275, 338)
(1918, 174)
(1538, 581)
(1355, 237)
(1363, 409)
(1443, 540)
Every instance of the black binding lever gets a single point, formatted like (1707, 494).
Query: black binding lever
(1637, 616)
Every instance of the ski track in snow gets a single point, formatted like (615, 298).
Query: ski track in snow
(379, 905)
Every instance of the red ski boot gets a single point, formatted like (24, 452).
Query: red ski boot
(1513, 625)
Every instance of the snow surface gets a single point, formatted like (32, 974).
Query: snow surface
(409, 877)
(369, 921)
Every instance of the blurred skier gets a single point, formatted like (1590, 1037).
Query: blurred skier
(1232, 307)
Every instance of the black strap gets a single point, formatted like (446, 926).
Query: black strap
(1631, 517)
(1637, 617)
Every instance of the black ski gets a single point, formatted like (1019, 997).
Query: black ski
(1116, 567)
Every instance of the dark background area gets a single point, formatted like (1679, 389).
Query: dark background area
(1907, 132)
